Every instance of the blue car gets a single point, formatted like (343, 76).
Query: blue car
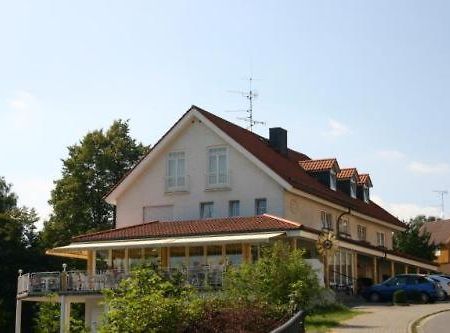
(411, 283)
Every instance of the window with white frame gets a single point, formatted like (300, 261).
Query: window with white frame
(206, 210)
(333, 180)
(326, 219)
(366, 194)
(362, 232)
(233, 208)
(176, 171)
(353, 187)
(344, 227)
(380, 239)
(260, 206)
(218, 167)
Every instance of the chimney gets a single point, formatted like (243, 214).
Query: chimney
(278, 139)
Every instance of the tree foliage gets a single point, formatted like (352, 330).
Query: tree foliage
(150, 302)
(415, 240)
(93, 166)
(280, 277)
(18, 250)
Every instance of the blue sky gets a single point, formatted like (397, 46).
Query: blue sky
(364, 81)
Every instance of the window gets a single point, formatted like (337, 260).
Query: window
(176, 169)
(344, 227)
(206, 210)
(353, 188)
(158, 213)
(233, 254)
(326, 219)
(333, 179)
(233, 208)
(260, 206)
(362, 233)
(380, 239)
(218, 167)
(366, 194)
(177, 258)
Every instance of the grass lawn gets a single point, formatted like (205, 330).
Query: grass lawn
(324, 319)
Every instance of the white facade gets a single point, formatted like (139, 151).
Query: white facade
(246, 183)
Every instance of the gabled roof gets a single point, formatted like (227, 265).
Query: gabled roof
(347, 173)
(319, 165)
(227, 225)
(364, 179)
(439, 230)
(286, 168)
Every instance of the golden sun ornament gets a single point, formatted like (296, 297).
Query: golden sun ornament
(327, 244)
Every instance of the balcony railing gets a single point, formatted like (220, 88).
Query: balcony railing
(176, 184)
(81, 282)
(218, 180)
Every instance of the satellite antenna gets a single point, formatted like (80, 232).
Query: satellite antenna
(251, 96)
(441, 193)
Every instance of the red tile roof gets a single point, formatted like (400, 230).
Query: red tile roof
(287, 167)
(228, 225)
(365, 179)
(318, 165)
(347, 173)
(439, 230)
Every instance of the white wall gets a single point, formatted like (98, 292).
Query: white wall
(248, 182)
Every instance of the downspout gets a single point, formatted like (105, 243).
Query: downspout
(338, 222)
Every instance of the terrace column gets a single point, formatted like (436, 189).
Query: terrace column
(392, 268)
(64, 322)
(355, 272)
(406, 269)
(417, 270)
(18, 316)
(375, 270)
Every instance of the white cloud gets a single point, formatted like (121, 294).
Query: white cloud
(390, 154)
(425, 168)
(34, 193)
(405, 211)
(336, 128)
(23, 110)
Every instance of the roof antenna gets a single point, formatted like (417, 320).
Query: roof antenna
(441, 193)
(251, 96)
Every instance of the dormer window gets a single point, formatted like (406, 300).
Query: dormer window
(333, 179)
(353, 188)
(366, 194)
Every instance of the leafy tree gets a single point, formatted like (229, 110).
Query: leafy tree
(150, 302)
(93, 166)
(18, 250)
(415, 240)
(280, 277)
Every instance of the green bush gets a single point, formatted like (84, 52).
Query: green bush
(150, 302)
(281, 277)
(399, 297)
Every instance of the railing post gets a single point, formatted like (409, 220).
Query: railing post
(18, 316)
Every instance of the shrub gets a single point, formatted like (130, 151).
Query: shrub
(150, 302)
(399, 297)
(281, 277)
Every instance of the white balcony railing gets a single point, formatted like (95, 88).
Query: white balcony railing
(176, 184)
(77, 282)
(216, 180)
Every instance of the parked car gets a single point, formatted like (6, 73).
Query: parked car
(444, 282)
(413, 284)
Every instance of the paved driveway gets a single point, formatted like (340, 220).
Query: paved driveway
(438, 323)
(388, 318)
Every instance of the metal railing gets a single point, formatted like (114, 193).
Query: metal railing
(75, 282)
(294, 325)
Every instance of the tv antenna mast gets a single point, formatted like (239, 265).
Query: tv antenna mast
(250, 95)
(441, 193)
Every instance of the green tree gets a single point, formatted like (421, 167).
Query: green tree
(150, 302)
(415, 240)
(18, 250)
(93, 166)
(280, 277)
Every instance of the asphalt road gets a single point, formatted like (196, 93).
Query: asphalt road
(438, 323)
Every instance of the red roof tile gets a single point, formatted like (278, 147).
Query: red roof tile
(318, 165)
(347, 173)
(259, 223)
(287, 167)
(365, 179)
